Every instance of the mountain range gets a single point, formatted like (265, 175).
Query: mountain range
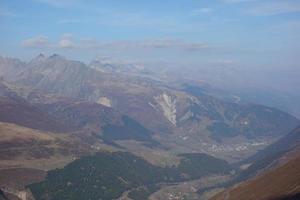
(185, 116)
(60, 113)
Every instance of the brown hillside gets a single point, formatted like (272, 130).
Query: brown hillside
(25, 147)
(15, 109)
(277, 184)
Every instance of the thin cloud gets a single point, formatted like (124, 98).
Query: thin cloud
(149, 45)
(71, 21)
(65, 44)
(137, 20)
(39, 42)
(42, 42)
(275, 8)
(268, 7)
(58, 3)
(237, 1)
(67, 36)
(225, 62)
(6, 13)
(68, 42)
(202, 11)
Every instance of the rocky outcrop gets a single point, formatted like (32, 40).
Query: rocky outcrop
(167, 104)
(105, 101)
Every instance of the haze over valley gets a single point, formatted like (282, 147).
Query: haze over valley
(136, 100)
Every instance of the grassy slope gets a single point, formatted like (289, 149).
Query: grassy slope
(276, 184)
(24, 147)
(270, 156)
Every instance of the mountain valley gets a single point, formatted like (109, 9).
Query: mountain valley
(59, 116)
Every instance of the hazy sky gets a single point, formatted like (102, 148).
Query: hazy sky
(261, 33)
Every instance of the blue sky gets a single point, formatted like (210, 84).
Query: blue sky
(251, 33)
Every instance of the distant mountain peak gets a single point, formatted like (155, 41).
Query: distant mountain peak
(41, 55)
(56, 56)
(38, 58)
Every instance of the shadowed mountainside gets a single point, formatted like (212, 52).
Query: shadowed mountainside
(107, 175)
(15, 109)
